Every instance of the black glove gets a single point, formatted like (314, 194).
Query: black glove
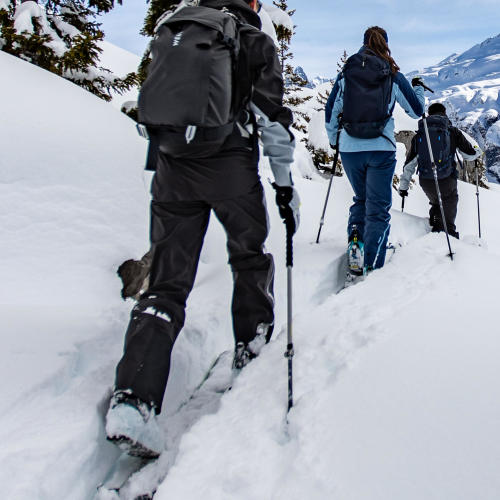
(288, 203)
(415, 82)
(403, 193)
(334, 148)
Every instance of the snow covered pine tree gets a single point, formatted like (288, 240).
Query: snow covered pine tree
(62, 36)
(294, 83)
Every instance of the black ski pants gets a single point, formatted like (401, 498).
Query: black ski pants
(177, 233)
(449, 195)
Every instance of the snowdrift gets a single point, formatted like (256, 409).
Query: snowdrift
(395, 378)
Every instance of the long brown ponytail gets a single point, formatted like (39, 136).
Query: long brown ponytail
(376, 40)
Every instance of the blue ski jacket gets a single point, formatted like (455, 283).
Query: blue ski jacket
(410, 99)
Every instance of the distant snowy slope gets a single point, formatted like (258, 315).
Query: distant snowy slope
(469, 84)
(481, 62)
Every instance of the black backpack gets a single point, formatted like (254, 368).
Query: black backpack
(439, 133)
(367, 95)
(188, 101)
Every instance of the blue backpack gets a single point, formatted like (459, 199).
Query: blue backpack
(439, 133)
(367, 96)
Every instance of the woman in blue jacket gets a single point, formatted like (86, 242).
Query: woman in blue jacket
(367, 146)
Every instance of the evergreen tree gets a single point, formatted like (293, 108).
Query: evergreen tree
(294, 84)
(61, 36)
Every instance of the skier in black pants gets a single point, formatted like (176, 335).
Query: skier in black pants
(445, 140)
(185, 192)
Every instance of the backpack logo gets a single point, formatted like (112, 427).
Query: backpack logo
(177, 39)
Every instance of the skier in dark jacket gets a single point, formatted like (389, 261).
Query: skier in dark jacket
(185, 192)
(369, 163)
(448, 182)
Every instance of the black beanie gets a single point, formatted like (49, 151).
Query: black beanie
(437, 109)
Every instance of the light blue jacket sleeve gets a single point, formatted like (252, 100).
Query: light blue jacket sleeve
(411, 99)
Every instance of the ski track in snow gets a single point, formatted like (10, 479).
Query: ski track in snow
(182, 421)
(320, 361)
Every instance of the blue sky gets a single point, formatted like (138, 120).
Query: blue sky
(421, 33)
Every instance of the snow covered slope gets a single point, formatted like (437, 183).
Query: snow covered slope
(469, 84)
(72, 207)
(395, 378)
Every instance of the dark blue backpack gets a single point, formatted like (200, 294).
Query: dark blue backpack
(367, 96)
(439, 133)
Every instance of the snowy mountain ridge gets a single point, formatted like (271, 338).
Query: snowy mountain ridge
(469, 85)
(311, 83)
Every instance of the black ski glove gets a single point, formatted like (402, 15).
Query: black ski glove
(415, 82)
(288, 203)
(403, 193)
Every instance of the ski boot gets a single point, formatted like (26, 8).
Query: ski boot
(356, 254)
(242, 356)
(131, 424)
(244, 353)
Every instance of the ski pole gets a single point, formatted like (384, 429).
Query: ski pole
(477, 194)
(334, 169)
(438, 191)
(402, 198)
(290, 350)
